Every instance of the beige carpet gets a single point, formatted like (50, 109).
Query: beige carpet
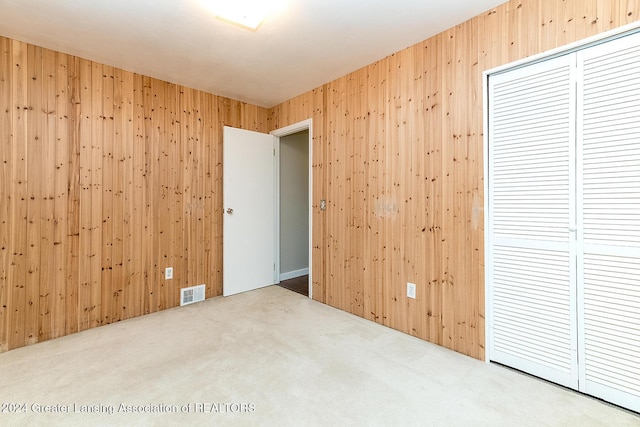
(275, 358)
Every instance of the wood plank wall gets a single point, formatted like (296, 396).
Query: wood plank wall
(398, 155)
(106, 177)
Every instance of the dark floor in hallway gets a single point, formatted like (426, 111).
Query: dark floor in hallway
(297, 284)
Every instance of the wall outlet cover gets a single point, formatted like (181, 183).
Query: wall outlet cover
(411, 290)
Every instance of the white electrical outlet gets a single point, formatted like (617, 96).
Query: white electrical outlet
(168, 273)
(411, 290)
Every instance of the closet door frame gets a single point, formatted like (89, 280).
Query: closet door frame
(563, 50)
(606, 246)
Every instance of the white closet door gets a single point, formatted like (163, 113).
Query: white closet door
(609, 220)
(532, 258)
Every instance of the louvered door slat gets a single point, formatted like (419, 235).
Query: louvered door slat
(609, 220)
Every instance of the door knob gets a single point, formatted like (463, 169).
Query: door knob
(229, 211)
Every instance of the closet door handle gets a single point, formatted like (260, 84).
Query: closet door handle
(573, 228)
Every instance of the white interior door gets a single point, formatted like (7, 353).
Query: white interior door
(248, 226)
(563, 220)
(609, 220)
(532, 260)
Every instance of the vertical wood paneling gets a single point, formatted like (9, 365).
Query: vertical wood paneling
(199, 164)
(209, 213)
(447, 191)
(318, 102)
(180, 273)
(107, 291)
(371, 267)
(135, 291)
(85, 253)
(154, 96)
(161, 242)
(47, 292)
(129, 272)
(34, 142)
(147, 165)
(187, 189)
(358, 195)
(217, 209)
(118, 159)
(168, 159)
(18, 210)
(6, 183)
(335, 187)
(74, 188)
(434, 96)
(107, 177)
(403, 167)
(59, 113)
(415, 193)
(94, 304)
(393, 292)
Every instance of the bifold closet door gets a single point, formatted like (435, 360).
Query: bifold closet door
(531, 236)
(609, 220)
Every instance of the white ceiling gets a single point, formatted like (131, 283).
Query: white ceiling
(306, 44)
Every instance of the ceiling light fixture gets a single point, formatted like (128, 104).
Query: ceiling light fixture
(248, 14)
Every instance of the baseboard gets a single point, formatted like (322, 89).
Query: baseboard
(293, 274)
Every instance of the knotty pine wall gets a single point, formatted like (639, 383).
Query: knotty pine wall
(398, 154)
(106, 177)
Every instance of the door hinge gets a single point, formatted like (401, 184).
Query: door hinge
(274, 152)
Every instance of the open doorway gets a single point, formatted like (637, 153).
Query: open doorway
(294, 184)
(294, 212)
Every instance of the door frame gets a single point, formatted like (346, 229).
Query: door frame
(279, 133)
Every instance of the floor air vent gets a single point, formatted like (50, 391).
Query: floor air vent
(191, 295)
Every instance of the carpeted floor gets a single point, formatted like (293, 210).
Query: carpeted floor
(272, 357)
